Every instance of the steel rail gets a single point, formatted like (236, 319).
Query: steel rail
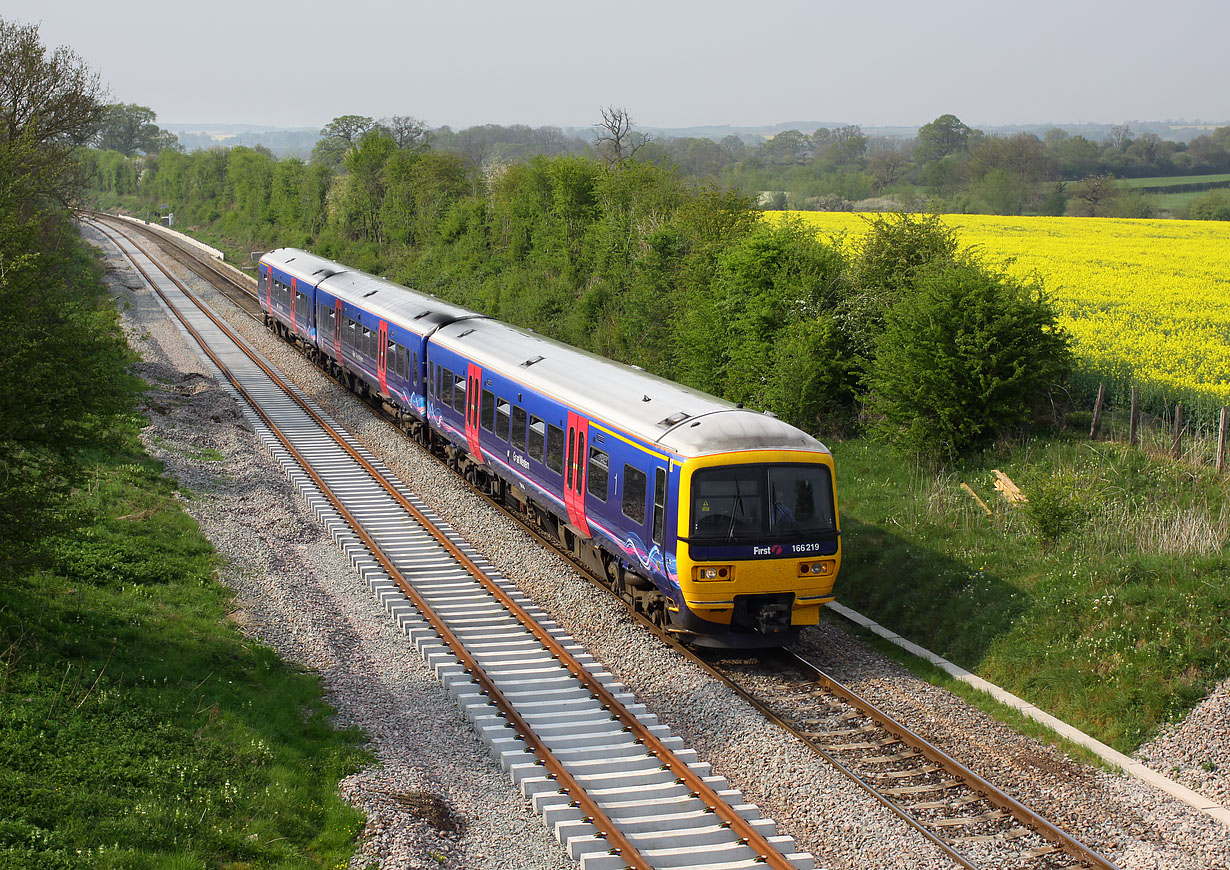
(1023, 814)
(768, 854)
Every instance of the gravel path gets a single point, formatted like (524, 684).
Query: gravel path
(436, 798)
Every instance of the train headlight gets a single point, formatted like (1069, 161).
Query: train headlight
(824, 566)
(712, 572)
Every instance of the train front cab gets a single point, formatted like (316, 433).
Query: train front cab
(758, 546)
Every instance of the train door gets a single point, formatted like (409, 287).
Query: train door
(575, 465)
(382, 356)
(474, 393)
(294, 290)
(269, 289)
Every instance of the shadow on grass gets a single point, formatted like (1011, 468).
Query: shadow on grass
(944, 604)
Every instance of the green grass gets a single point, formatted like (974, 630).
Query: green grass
(1174, 201)
(138, 727)
(1103, 602)
(1173, 180)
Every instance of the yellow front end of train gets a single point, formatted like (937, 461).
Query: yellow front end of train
(758, 542)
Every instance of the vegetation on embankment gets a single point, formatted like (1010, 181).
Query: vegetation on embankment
(138, 727)
(1102, 600)
(625, 259)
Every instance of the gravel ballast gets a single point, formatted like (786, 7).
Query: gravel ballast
(437, 799)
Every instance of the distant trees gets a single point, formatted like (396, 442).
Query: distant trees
(130, 129)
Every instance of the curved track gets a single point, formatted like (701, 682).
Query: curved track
(975, 823)
(617, 788)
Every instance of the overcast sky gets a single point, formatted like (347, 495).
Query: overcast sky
(671, 64)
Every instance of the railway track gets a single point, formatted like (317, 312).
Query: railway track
(975, 823)
(616, 787)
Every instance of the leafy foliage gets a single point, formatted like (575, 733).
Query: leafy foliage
(965, 359)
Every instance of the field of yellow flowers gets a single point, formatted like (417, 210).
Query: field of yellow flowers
(1147, 301)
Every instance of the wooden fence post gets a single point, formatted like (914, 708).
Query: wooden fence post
(1135, 411)
(1097, 412)
(1221, 439)
(1177, 449)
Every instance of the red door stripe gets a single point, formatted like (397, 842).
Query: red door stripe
(574, 495)
(474, 389)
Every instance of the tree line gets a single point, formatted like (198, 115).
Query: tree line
(622, 256)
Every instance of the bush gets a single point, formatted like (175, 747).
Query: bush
(963, 360)
(1055, 507)
(1213, 206)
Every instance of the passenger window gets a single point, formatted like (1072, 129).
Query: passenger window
(459, 393)
(446, 391)
(599, 473)
(518, 428)
(555, 448)
(503, 411)
(488, 410)
(659, 505)
(414, 372)
(635, 484)
(538, 437)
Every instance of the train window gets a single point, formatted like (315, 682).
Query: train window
(459, 393)
(489, 411)
(445, 390)
(659, 505)
(503, 410)
(572, 438)
(518, 428)
(635, 483)
(555, 448)
(415, 374)
(538, 437)
(599, 473)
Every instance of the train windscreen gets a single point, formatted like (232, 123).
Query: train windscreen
(779, 501)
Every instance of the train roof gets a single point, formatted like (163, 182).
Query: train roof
(303, 265)
(416, 311)
(685, 421)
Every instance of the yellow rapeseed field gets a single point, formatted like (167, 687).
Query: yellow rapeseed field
(1147, 301)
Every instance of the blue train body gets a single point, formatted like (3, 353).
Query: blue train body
(673, 495)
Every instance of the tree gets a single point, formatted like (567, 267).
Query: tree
(944, 136)
(1094, 197)
(615, 140)
(407, 132)
(966, 358)
(888, 262)
(50, 105)
(339, 136)
(129, 128)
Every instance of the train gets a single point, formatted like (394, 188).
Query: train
(717, 522)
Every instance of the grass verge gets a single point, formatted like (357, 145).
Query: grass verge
(139, 728)
(1102, 601)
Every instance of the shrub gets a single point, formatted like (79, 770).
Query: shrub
(1055, 507)
(964, 359)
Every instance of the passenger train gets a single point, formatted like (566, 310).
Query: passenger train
(718, 522)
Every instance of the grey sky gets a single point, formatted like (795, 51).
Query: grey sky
(671, 64)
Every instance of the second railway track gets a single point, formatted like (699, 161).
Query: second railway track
(617, 788)
(975, 823)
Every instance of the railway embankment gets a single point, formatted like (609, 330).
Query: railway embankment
(1125, 821)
